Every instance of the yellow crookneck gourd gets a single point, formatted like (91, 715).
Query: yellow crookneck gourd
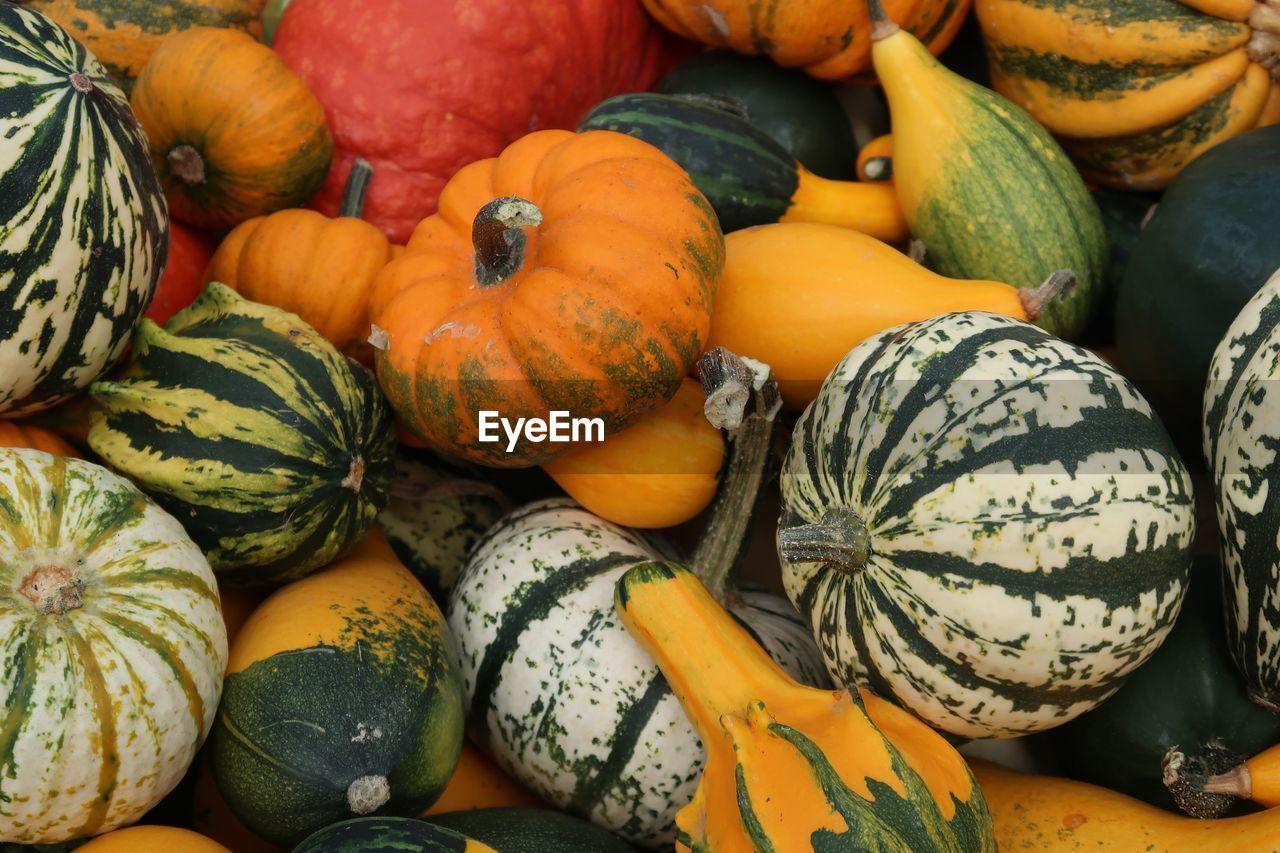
(789, 767)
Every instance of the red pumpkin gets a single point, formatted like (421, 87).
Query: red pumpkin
(189, 253)
(420, 89)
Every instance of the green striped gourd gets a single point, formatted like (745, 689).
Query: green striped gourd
(83, 224)
(388, 835)
(273, 448)
(1240, 417)
(985, 523)
(112, 649)
(531, 830)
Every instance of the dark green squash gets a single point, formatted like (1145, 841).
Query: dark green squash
(386, 835)
(532, 831)
(1213, 241)
(1123, 214)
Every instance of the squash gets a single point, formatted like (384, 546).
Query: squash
(486, 84)
(1136, 90)
(574, 272)
(1124, 214)
(799, 296)
(557, 693)
(318, 268)
(828, 39)
(875, 159)
(17, 434)
(234, 133)
(154, 839)
(1184, 285)
(342, 699)
(984, 523)
(290, 458)
(478, 783)
(213, 818)
(388, 835)
(801, 114)
(73, 161)
(113, 644)
(791, 767)
(1257, 779)
(659, 472)
(183, 279)
(748, 177)
(986, 189)
(532, 831)
(1239, 413)
(1044, 813)
(124, 33)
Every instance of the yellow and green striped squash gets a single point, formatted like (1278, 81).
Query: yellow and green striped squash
(112, 649)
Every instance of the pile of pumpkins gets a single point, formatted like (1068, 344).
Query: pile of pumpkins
(266, 586)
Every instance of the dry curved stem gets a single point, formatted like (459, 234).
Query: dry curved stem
(1186, 776)
(1057, 287)
(498, 237)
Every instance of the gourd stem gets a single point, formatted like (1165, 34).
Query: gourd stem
(357, 187)
(1056, 287)
(80, 82)
(1237, 782)
(367, 794)
(498, 237)
(186, 164)
(840, 541)
(53, 590)
(742, 399)
(1264, 45)
(881, 26)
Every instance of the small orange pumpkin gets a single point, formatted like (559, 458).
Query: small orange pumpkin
(17, 434)
(234, 132)
(319, 268)
(573, 272)
(153, 839)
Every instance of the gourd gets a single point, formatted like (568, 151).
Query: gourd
(386, 835)
(1238, 445)
(213, 818)
(318, 268)
(828, 39)
(113, 645)
(799, 296)
(748, 177)
(235, 134)
(526, 830)
(183, 279)
(342, 699)
(1183, 287)
(1257, 779)
(74, 159)
(1136, 90)
(984, 523)
(290, 457)
(557, 693)
(479, 784)
(574, 272)
(153, 839)
(985, 187)
(791, 767)
(484, 86)
(18, 434)
(659, 472)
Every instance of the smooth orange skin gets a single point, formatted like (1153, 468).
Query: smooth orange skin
(153, 839)
(800, 296)
(478, 783)
(237, 605)
(213, 818)
(605, 317)
(18, 434)
(319, 268)
(660, 471)
(260, 131)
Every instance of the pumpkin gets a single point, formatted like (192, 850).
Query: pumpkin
(792, 767)
(478, 783)
(318, 268)
(213, 818)
(73, 159)
(986, 189)
(557, 693)
(388, 835)
(984, 523)
(659, 472)
(1184, 286)
(829, 39)
(234, 133)
(514, 830)
(575, 272)
(113, 646)
(290, 457)
(183, 279)
(485, 85)
(342, 700)
(124, 33)
(1136, 90)
(17, 434)
(153, 839)
(748, 177)
(799, 296)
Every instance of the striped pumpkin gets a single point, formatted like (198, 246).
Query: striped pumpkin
(274, 450)
(559, 694)
(389, 835)
(1239, 421)
(112, 649)
(85, 227)
(985, 523)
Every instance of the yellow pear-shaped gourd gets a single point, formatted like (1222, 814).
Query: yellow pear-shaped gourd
(789, 767)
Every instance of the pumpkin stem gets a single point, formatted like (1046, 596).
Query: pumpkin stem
(53, 590)
(1186, 776)
(80, 82)
(881, 26)
(357, 187)
(1057, 286)
(186, 163)
(839, 541)
(498, 236)
(355, 474)
(367, 794)
(1237, 782)
(742, 399)
(1264, 46)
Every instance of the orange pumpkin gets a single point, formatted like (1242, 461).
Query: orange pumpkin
(153, 839)
(16, 434)
(319, 268)
(234, 132)
(478, 783)
(574, 272)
